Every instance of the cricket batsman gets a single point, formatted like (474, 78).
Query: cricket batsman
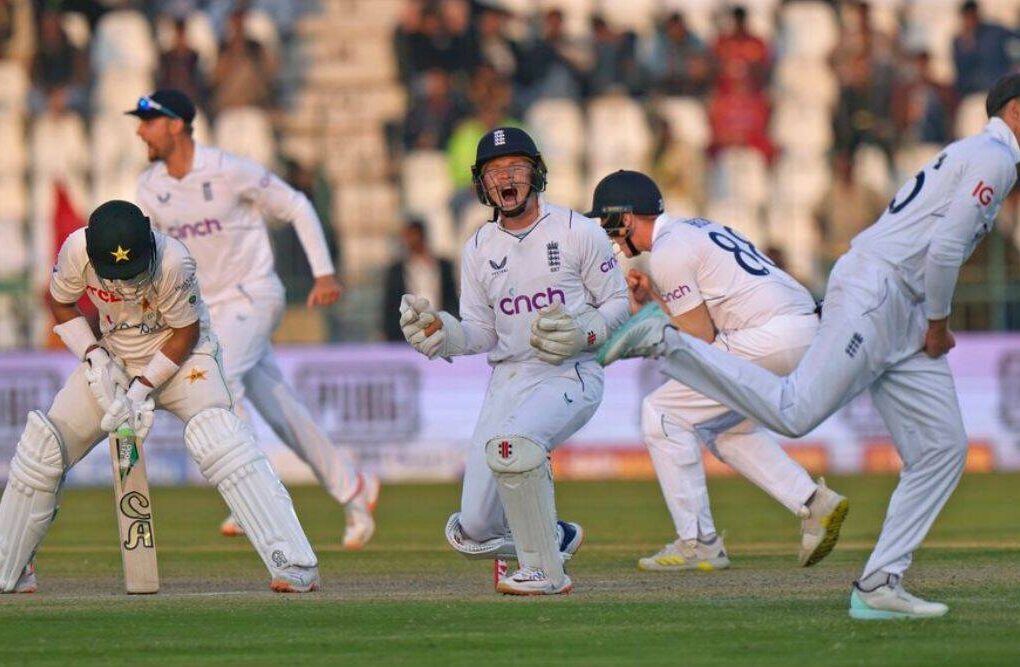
(156, 349)
(540, 290)
(716, 286)
(884, 328)
(215, 203)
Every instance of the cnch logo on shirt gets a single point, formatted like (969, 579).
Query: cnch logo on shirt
(524, 303)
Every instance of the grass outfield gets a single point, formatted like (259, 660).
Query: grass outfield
(408, 600)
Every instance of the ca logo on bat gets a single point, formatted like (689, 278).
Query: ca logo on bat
(133, 505)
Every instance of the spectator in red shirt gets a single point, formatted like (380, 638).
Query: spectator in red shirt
(741, 56)
(739, 117)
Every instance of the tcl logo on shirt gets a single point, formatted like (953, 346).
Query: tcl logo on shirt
(102, 295)
(983, 193)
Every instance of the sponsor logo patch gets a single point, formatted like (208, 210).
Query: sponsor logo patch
(679, 292)
(205, 227)
(524, 303)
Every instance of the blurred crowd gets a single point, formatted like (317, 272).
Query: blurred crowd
(791, 120)
(727, 95)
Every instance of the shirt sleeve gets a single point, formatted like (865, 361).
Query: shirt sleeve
(971, 213)
(602, 276)
(67, 282)
(675, 276)
(271, 195)
(179, 299)
(477, 317)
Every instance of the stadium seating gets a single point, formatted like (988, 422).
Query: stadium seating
(558, 128)
(124, 40)
(246, 131)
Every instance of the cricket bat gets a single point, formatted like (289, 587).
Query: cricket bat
(134, 513)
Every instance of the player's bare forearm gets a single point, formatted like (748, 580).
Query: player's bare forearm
(325, 292)
(62, 312)
(178, 347)
(938, 340)
(696, 322)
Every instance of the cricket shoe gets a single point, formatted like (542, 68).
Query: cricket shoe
(640, 336)
(571, 537)
(688, 555)
(532, 581)
(26, 582)
(231, 528)
(295, 579)
(891, 601)
(820, 523)
(359, 512)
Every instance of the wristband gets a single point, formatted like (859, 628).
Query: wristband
(138, 391)
(77, 336)
(159, 369)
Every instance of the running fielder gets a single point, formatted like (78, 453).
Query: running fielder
(717, 287)
(539, 291)
(215, 203)
(155, 331)
(885, 329)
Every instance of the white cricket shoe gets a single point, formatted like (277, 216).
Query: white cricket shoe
(26, 582)
(295, 579)
(359, 511)
(640, 336)
(231, 528)
(819, 529)
(532, 581)
(688, 555)
(891, 601)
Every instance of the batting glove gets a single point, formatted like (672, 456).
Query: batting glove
(133, 407)
(105, 374)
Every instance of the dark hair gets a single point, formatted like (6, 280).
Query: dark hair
(969, 6)
(419, 226)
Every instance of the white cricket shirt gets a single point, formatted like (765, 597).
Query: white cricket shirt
(565, 258)
(938, 217)
(696, 261)
(217, 211)
(136, 330)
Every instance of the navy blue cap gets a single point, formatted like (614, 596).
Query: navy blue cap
(168, 103)
(626, 192)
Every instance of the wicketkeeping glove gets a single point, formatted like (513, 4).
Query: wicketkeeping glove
(556, 335)
(416, 317)
(133, 407)
(105, 374)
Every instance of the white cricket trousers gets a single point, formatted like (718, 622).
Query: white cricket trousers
(244, 326)
(871, 337)
(676, 421)
(544, 403)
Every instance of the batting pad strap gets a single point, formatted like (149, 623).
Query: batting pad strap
(30, 500)
(497, 547)
(159, 369)
(593, 325)
(224, 449)
(77, 336)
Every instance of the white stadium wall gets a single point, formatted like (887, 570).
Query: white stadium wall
(410, 419)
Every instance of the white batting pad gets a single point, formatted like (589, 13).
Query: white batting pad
(30, 499)
(524, 480)
(225, 451)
